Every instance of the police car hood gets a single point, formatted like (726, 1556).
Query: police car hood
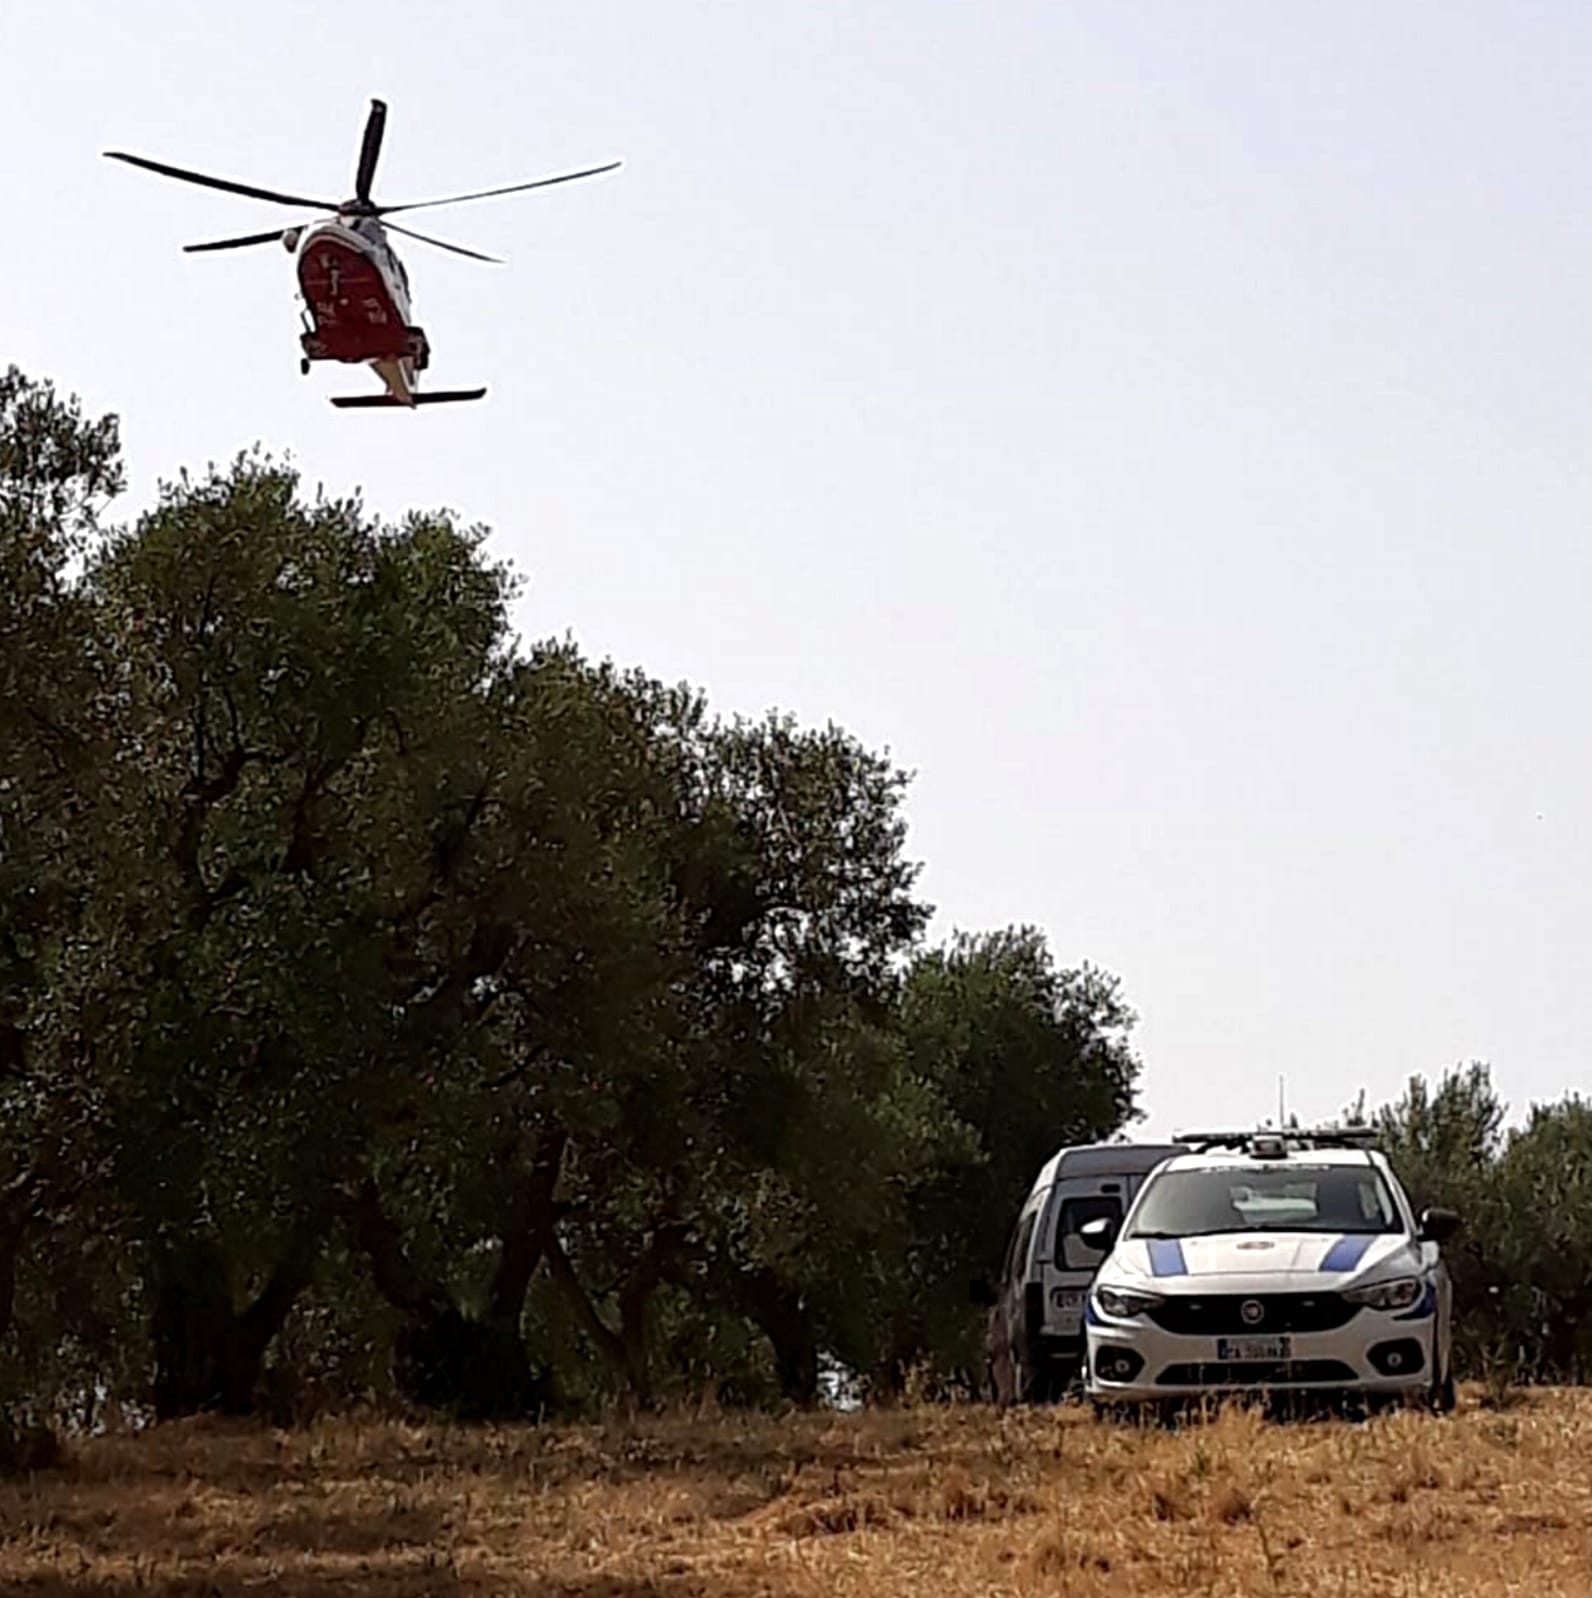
(1262, 1262)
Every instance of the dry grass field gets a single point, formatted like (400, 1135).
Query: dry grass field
(917, 1503)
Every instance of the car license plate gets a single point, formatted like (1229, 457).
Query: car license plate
(1253, 1347)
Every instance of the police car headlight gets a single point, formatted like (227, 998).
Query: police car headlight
(1123, 1303)
(1401, 1293)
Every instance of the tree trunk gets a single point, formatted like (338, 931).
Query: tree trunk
(208, 1354)
(532, 1212)
(16, 1210)
(442, 1358)
(790, 1329)
(11, 1236)
(625, 1350)
(617, 1354)
(902, 1348)
(1560, 1339)
(775, 1307)
(22, 1201)
(474, 1370)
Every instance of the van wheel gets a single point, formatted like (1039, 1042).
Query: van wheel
(1051, 1381)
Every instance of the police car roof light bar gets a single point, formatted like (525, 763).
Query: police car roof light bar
(1297, 1136)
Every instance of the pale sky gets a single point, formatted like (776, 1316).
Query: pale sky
(1163, 426)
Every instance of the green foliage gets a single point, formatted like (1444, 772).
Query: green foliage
(391, 1012)
(57, 710)
(389, 1009)
(1522, 1267)
(1007, 1059)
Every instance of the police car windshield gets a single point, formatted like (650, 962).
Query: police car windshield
(1291, 1198)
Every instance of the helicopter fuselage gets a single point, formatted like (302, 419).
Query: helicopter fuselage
(356, 302)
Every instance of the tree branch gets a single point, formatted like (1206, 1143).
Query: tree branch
(397, 1278)
(263, 1319)
(201, 720)
(607, 1341)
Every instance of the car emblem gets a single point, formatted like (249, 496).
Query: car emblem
(1256, 1242)
(1252, 1312)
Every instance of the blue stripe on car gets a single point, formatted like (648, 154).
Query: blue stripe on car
(1346, 1253)
(1089, 1316)
(1166, 1257)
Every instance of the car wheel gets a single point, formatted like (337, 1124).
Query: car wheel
(1444, 1398)
(1447, 1397)
(1444, 1395)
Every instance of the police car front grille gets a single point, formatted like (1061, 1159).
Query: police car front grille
(1255, 1373)
(1222, 1314)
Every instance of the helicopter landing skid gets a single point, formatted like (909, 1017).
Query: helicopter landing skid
(388, 402)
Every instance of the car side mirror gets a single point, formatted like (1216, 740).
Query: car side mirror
(1438, 1225)
(1098, 1234)
(982, 1293)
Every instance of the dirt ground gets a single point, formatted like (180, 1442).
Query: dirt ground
(931, 1503)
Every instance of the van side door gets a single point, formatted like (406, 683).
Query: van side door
(1070, 1263)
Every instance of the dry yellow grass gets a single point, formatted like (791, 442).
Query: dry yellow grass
(921, 1502)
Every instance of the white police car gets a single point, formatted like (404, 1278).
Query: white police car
(1271, 1262)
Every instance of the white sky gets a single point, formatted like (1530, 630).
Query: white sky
(1163, 426)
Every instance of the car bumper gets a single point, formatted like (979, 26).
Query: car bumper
(1377, 1353)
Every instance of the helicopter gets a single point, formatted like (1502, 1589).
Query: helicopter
(354, 287)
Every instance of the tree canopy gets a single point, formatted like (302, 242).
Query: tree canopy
(1522, 1267)
(389, 1008)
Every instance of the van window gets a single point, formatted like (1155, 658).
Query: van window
(1072, 1253)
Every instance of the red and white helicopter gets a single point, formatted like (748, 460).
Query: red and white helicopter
(355, 290)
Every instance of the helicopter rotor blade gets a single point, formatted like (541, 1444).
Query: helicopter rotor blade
(273, 237)
(370, 149)
(487, 194)
(442, 244)
(225, 184)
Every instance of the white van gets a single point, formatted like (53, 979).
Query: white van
(1033, 1338)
